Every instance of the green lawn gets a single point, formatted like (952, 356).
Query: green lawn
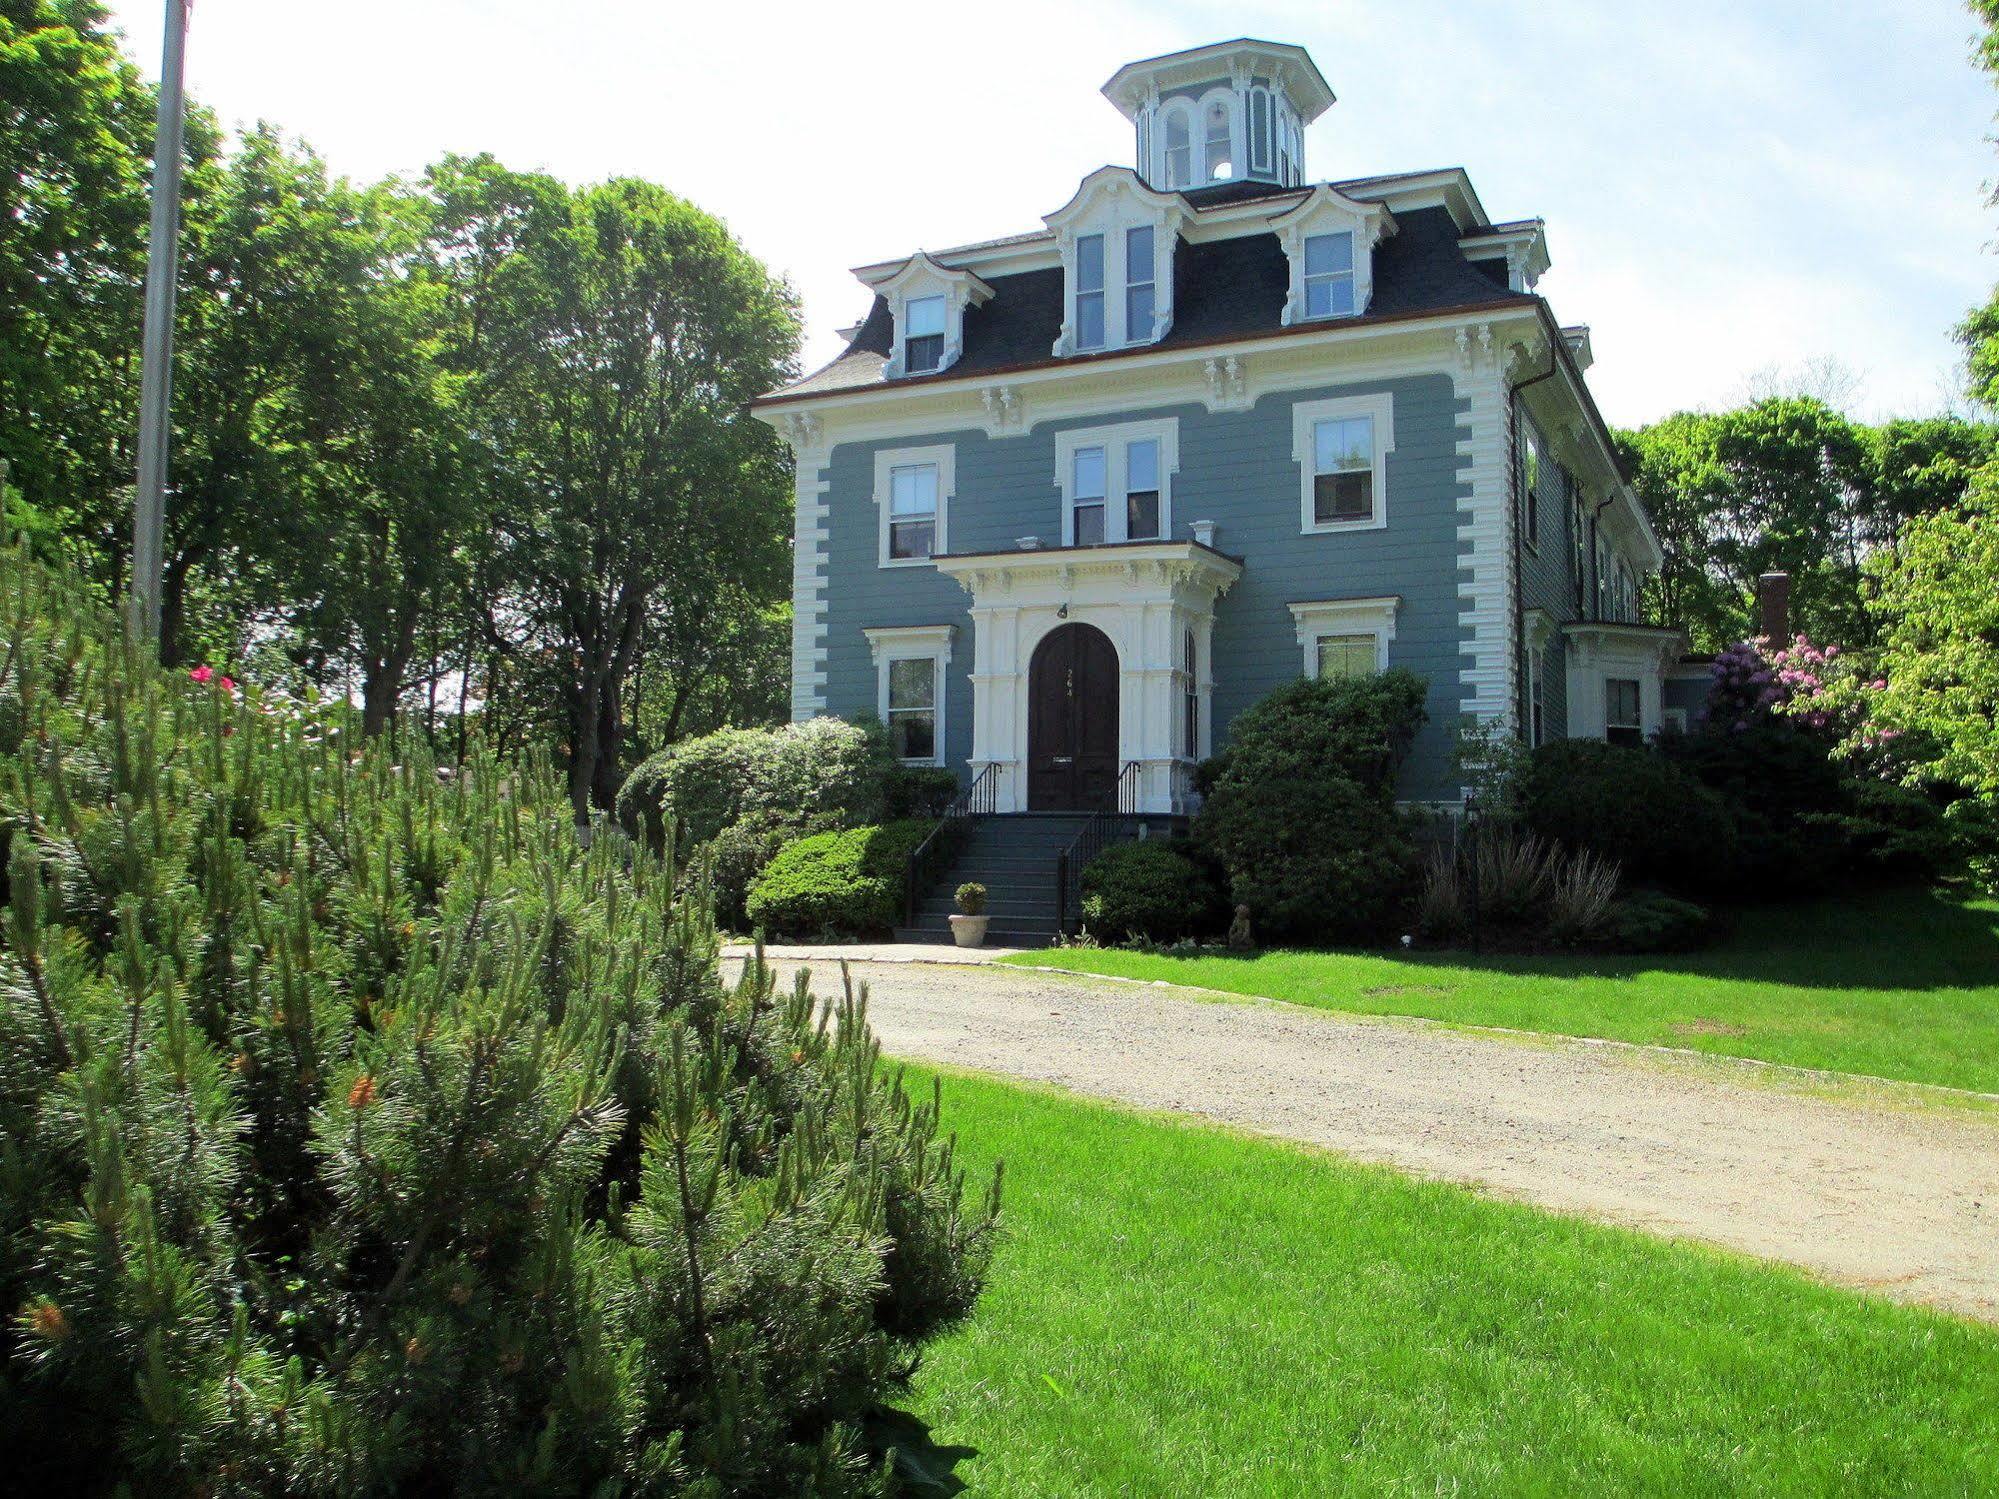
(1180, 1310)
(1900, 985)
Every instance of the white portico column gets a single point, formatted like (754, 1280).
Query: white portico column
(996, 663)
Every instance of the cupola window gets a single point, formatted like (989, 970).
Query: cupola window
(1220, 156)
(1179, 151)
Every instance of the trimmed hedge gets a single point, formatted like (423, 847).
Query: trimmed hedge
(826, 769)
(1150, 890)
(1634, 806)
(841, 884)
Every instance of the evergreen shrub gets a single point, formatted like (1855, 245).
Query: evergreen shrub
(848, 883)
(363, 1133)
(1633, 806)
(1151, 890)
(825, 768)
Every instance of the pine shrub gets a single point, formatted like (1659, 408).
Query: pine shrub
(362, 1132)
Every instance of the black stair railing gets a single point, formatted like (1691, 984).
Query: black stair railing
(1085, 846)
(980, 799)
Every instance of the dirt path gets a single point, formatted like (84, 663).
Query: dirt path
(1901, 1201)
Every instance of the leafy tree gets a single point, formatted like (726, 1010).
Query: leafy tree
(619, 346)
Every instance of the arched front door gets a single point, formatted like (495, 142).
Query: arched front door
(1072, 711)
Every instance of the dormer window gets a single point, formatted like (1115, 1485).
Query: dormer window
(1117, 238)
(1089, 291)
(1140, 281)
(928, 302)
(1329, 275)
(923, 342)
(1330, 239)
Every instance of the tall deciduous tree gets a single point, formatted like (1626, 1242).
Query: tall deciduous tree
(619, 349)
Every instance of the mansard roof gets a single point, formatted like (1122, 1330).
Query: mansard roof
(1223, 289)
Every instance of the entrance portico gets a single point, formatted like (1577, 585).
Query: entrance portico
(1154, 603)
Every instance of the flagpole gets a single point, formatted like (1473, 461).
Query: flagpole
(156, 358)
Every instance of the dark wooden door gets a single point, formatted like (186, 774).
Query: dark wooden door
(1072, 711)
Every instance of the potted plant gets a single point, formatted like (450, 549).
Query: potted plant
(968, 927)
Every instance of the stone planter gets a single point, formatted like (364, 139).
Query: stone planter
(970, 931)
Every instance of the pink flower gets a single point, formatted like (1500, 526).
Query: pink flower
(1879, 684)
(228, 685)
(201, 674)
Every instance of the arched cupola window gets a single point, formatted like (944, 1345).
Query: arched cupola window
(1218, 155)
(1179, 149)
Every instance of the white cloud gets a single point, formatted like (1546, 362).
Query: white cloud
(1729, 186)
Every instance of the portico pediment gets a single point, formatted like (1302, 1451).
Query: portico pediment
(1158, 571)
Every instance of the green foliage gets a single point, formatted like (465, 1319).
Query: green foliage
(1634, 806)
(1938, 605)
(1652, 921)
(971, 898)
(824, 768)
(1774, 777)
(847, 883)
(365, 1133)
(1300, 812)
(1153, 890)
(919, 791)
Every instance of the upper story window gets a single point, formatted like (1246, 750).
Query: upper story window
(1329, 275)
(1530, 487)
(1118, 238)
(1140, 282)
(1179, 150)
(1089, 291)
(1115, 481)
(1220, 152)
(923, 338)
(1342, 449)
(928, 302)
(1579, 549)
(1329, 240)
(912, 493)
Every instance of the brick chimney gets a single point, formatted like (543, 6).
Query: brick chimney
(1773, 608)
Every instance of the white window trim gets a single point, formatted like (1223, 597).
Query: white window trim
(1305, 416)
(1371, 616)
(921, 276)
(945, 457)
(1530, 500)
(1110, 201)
(1113, 440)
(913, 643)
(1325, 210)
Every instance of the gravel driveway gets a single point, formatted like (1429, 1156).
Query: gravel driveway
(1899, 1200)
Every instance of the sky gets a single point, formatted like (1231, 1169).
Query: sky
(1737, 192)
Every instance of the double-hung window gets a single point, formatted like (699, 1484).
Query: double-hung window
(912, 511)
(1342, 449)
(1329, 280)
(1086, 502)
(923, 338)
(913, 499)
(1090, 291)
(1579, 549)
(1139, 285)
(1116, 481)
(912, 708)
(1621, 721)
(1530, 488)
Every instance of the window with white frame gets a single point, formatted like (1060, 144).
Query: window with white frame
(1089, 291)
(1579, 548)
(1179, 150)
(1329, 282)
(1342, 449)
(1345, 637)
(1622, 723)
(1259, 130)
(923, 339)
(910, 685)
(1116, 482)
(912, 494)
(1530, 486)
(1602, 579)
(1219, 155)
(1139, 284)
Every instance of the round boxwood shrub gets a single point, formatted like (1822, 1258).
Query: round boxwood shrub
(1150, 890)
(840, 884)
(1634, 806)
(825, 768)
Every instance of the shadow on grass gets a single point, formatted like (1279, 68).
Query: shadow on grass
(1895, 939)
(923, 1467)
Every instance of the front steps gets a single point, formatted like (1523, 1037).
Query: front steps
(1014, 856)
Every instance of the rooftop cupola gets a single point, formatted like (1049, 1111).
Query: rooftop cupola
(1231, 112)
